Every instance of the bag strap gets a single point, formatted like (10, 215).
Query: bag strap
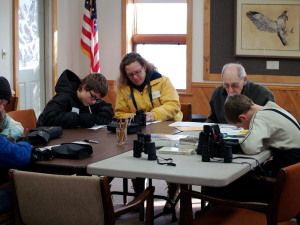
(286, 116)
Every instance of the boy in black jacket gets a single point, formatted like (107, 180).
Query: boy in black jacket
(78, 103)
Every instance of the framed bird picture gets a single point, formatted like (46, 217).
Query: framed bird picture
(267, 28)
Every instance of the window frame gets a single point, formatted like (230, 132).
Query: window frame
(130, 38)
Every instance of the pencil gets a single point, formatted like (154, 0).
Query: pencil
(25, 133)
(90, 110)
(146, 110)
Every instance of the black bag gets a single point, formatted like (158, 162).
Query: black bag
(132, 128)
(72, 151)
(41, 135)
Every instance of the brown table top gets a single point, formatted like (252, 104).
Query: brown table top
(106, 148)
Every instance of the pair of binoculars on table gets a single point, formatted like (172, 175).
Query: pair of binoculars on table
(140, 118)
(144, 144)
(213, 145)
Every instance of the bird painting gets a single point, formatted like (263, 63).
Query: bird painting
(264, 23)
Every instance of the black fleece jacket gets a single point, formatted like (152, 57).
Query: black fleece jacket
(62, 110)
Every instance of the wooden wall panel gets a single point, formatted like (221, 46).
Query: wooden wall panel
(288, 97)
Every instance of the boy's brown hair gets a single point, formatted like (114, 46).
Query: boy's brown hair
(95, 82)
(236, 105)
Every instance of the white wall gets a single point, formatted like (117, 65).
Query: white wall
(6, 66)
(70, 56)
(109, 30)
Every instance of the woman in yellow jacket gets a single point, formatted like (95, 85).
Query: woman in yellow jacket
(140, 87)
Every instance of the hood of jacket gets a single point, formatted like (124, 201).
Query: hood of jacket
(68, 82)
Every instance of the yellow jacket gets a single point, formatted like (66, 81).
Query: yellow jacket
(165, 101)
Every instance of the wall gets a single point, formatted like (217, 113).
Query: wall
(70, 56)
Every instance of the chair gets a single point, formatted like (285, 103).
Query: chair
(60, 199)
(13, 105)
(283, 206)
(186, 109)
(26, 117)
(6, 218)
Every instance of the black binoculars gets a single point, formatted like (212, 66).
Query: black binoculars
(144, 144)
(39, 155)
(140, 118)
(213, 145)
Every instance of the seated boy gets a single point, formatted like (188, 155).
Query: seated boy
(269, 126)
(78, 103)
(8, 126)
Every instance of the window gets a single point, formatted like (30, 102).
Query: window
(159, 34)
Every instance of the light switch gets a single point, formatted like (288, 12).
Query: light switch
(4, 53)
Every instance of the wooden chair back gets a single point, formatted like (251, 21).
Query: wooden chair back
(13, 105)
(26, 117)
(186, 109)
(285, 200)
(60, 199)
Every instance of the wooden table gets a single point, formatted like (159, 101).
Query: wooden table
(106, 148)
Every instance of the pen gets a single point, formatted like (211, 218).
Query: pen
(90, 110)
(91, 141)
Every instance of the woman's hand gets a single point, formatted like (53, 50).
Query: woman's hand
(149, 117)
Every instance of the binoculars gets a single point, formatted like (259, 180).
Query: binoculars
(213, 145)
(140, 118)
(144, 144)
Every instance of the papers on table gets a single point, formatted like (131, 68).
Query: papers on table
(96, 127)
(226, 129)
(153, 122)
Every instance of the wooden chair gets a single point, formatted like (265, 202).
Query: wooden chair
(26, 117)
(13, 105)
(6, 218)
(186, 109)
(283, 206)
(60, 199)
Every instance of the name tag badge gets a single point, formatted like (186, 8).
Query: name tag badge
(155, 94)
(75, 110)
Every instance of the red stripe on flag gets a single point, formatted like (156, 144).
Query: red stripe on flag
(89, 35)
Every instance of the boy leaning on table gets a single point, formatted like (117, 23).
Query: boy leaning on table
(78, 103)
(277, 130)
(11, 155)
(267, 129)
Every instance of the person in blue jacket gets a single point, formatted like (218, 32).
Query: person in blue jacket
(8, 126)
(12, 156)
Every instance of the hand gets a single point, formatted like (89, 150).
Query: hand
(87, 120)
(149, 117)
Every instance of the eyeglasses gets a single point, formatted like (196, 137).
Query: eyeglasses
(138, 72)
(94, 98)
(2, 103)
(233, 86)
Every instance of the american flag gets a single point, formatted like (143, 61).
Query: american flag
(89, 34)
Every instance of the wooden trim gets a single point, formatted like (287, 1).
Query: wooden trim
(127, 29)
(206, 47)
(54, 46)
(189, 46)
(159, 38)
(271, 87)
(216, 77)
(15, 35)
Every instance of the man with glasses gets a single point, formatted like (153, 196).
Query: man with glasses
(78, 103)
(235, 81)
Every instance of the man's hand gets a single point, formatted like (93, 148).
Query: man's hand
(149, 117)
